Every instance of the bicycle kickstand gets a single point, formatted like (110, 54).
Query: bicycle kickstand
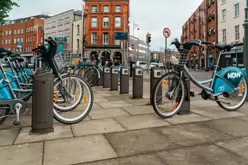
(17, 107)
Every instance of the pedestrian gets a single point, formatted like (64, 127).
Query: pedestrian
(196, 67)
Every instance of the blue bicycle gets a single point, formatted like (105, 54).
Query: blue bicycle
(228, 87)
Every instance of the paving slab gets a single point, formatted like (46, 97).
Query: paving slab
(108, 113)
(203, 103)
(118, 97)
(201, 155)
(139, 110)
(114, 104)
(99, 99)
(96, 127)
(8, 136)
(239, 146)
(243, 118)
(192, 134)
(26, 136)
(232, 126)
(27, 154)
(189, 118)
(133, 160)
(8, 123)
(138, 142)
(102, 93)
(77, 150)
(244, 108)
(216, 114)
(96, 106)
(141, 121)
(138, 101)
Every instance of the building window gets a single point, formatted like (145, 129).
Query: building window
(9, 32)
(67, 20)
(22, 40)
(117, 22)
(18, 31)
(117, 42)
(236, 8)
(106, 9)
(236, 32)
(53, 24)
(94, 38)
(61, 21)
(14, 40)
(224, 15)
(18, 39)
(21, 31)
(2, 41)
(118, 9)
(78, 29)
(94, 9)
(77, 44)
(6, 33)
(6, 41)
(224, 35)
(106, 22)
(94, 22)
(14, 31)
(105, 38)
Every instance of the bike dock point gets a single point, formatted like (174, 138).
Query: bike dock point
(114, 79)
(106, 77)
(185, 108)
(138, 83)
(124, 81)
(42, 102)
(155, 75)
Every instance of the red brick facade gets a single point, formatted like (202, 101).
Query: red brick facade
(194, 29)
(24, 32)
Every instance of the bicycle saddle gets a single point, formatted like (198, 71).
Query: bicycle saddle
(224, 47)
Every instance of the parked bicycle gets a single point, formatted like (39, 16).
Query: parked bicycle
(227, 87)
(69, 90)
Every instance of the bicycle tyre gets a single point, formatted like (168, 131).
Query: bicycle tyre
(156, 87)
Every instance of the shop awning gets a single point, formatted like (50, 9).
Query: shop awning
(211, 56)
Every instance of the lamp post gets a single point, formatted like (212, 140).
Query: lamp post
(245, 25)
(135, 26)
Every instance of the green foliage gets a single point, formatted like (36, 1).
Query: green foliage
(5, 7)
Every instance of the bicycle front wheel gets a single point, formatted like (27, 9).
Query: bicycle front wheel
(168, 95)
(79, 94)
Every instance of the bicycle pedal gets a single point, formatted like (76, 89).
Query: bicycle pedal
(192, 94)
(16, 123)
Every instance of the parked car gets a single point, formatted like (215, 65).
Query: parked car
(161, 65)
(142, 64)
(153, 64)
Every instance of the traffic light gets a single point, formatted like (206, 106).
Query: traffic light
(148, 38)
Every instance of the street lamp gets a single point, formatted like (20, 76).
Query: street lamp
(135, 26)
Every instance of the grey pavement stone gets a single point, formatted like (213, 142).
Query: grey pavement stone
(239, 146)
(141, 121)
(244, 108)
(8, 136)
(138, 142)
(201, 155)
(96, 106)
(203, 103)
(114, 104)
(138, 110)
(118, 97)
(26, 136)
(138, 101)
(243, 118)
(189, 118)
(216, 114)
(99, 99)
(8, 123)
(232, 126)
(192, 134)
(27, 154)
(96, 127)
(133, 160)
(77, 150)
(108, 113)
(102, 93)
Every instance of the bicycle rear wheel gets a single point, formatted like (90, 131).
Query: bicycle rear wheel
(168, 95)
(235, 100)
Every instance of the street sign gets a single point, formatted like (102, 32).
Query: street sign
(121, 36)
(167, 32)
(19, 44)
(60, 39)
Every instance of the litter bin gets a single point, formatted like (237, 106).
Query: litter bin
(42, 102)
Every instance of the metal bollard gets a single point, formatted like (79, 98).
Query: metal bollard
(100, 81)
(114, 79)
(124, 81)
(185, 108)
(156, 74)
(42, 102)
(138, 83)
(106, 77)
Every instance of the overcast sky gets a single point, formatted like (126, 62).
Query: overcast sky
(151, 15)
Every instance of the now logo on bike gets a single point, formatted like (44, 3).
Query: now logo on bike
(234, 75)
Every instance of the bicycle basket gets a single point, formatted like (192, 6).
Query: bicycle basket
(181, 59)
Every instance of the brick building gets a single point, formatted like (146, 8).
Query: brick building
(203, 23)
(103, 19)
(23, 34)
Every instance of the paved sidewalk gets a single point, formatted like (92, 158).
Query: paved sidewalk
(122, 131)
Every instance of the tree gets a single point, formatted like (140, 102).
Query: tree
(5, 7)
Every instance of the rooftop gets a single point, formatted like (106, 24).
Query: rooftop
(20, 20)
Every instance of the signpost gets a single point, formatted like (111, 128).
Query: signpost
(167, 34)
